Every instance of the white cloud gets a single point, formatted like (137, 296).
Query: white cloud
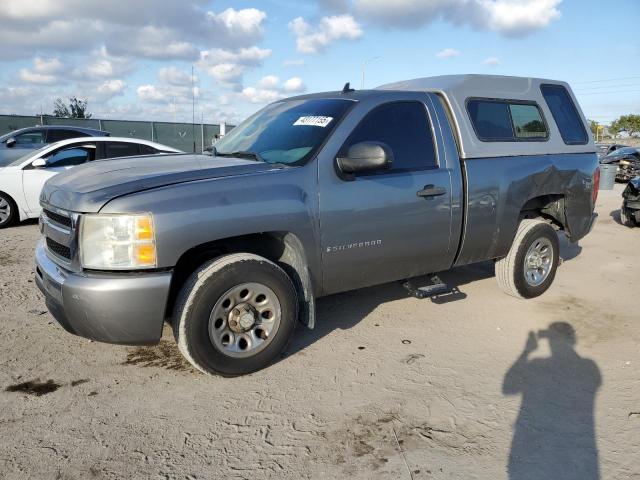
(329, 30)
(227, 67)
(261, 95)
(492, 61)
(100, 65)
(109, 89)
(45, 71)
(296, 62)
(514, 17)
(174, 87)
(294, 85)
(241, 24)
(245, 56)
(159, 43)
(159, 29)
(268, 89)
(174, 76)
(150, 93)
(448, 53)
(269, 82)
(508, 17)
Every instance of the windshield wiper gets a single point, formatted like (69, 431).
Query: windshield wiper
(241, 154)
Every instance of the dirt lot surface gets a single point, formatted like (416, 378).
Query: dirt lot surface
(387, 386)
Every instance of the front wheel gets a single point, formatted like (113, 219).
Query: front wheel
(235, 314)
(8, 210)
(530, 266)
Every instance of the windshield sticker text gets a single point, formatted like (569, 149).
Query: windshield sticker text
(314, 121)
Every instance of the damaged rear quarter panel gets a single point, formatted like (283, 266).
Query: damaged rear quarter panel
(499, 187)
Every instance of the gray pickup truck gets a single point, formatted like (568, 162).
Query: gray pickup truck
(315, 195)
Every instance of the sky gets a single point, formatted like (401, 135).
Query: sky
(133, 59)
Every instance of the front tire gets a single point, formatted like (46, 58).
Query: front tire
(235, 314)
(530, 266)
(8, 210)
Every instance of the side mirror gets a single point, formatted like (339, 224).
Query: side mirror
(11, 142)
(365, 157)
(39, 163)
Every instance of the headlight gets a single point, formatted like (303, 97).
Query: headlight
(625, 162)
(117, 242)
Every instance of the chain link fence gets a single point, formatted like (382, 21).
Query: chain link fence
(183, 136)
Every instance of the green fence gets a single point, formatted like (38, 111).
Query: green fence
(177, 135)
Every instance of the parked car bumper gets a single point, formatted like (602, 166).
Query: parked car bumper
(110, 308)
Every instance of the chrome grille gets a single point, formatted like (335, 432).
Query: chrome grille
(59, 229)
(59, 249)
(57, 218)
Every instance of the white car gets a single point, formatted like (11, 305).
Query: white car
(22, 180)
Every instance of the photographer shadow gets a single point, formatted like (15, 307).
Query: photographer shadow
(554, 435)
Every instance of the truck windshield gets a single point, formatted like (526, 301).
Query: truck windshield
(288, 132)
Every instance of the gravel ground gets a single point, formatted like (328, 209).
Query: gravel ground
(387, 386)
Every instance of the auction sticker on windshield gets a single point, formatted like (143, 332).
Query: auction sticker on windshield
(315, 121)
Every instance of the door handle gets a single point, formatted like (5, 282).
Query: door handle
(431, 191)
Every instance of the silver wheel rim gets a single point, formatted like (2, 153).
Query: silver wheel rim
(5, 210)
(245, 320)
(538, 261)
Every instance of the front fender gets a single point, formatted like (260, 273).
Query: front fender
(189, 214)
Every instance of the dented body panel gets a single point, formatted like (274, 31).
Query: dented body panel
(499, 188)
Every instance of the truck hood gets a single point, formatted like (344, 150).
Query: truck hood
(87, 188)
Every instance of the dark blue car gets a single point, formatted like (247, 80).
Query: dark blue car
(14, 145)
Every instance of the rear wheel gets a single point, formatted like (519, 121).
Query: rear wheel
(8, 210)
(530, 266)
(235, 314)
(626, 219)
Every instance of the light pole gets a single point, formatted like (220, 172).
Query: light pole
(364, 64)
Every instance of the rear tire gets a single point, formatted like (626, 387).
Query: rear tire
(8, 210)
(626, 219)
(530, 266)
(235, 315)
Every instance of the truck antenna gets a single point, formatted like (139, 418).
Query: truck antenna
(347, 88)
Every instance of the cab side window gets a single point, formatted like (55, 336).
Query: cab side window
(70, 157)
(29, 138)
(57, 134)
(121, 149)
(506, 120)
(147, 150)
(565, 114)
(405, 128)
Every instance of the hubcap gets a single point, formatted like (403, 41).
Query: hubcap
(244, 320)
(538, 261)
(5, 210)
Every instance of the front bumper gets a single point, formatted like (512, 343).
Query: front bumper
(123, 308)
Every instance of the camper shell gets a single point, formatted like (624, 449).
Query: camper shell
(457, 90)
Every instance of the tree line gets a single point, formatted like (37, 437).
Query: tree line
(625, 123)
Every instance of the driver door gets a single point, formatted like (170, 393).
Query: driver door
(33, 178)
(394, 223)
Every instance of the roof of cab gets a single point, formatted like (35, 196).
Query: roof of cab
(457, 89)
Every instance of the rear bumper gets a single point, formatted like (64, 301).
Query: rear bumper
(125, 309)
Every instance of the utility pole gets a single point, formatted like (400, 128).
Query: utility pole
(364, 64)
(193, 110)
